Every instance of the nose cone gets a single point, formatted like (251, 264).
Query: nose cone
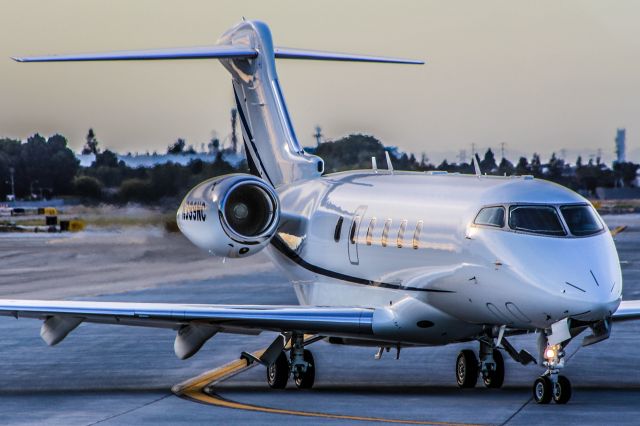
(566, 277)
(593, 282)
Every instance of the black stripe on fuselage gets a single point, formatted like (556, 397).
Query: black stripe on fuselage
(282, 247)
(245, 125)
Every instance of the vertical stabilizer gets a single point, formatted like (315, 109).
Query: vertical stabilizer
(272, 148)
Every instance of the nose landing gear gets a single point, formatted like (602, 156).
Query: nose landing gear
(552, 385)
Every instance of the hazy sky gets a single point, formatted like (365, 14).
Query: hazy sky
(539, 76)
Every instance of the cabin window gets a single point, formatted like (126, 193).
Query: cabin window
(338, 230)
(400, 240)
(354, 229)
(491, 216)
(416, 235)
(581, 220)
(385, 232)
(541, 220)
(372, 226)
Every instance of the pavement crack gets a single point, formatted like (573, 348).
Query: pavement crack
(516, 412)
(131, 410)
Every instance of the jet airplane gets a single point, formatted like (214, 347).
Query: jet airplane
(381, 257)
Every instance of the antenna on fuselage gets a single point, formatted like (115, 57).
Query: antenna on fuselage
(374, 164)
(476, 165)
(389, 165)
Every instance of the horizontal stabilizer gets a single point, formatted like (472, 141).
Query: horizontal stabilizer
(212, 52)
(288, 53)
(203, 52)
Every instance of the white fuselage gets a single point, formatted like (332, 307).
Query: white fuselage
(449, 278)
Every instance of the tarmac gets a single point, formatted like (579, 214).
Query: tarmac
(124, 375)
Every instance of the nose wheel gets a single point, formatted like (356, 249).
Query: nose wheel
(544, 390)
(551, 385)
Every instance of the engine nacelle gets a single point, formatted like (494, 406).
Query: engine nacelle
(232, 216)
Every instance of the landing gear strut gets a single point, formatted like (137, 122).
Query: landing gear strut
(300, 364)
(552, 385)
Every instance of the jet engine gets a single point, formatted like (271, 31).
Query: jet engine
(232, 216)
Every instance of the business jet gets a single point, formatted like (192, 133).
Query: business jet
(379, 257)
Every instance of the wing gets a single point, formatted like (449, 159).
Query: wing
(628, 310)
(195, 323)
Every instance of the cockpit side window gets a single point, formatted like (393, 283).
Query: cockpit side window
(491, 216)
(541, 220)
(581, 220)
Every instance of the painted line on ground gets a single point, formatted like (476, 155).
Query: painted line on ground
(194, 390)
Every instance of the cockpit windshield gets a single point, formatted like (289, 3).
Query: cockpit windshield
(541, 220)
(581, 220)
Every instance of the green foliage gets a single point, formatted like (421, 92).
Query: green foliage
(136, 189)
(355, 152)
(177, 147)
(88, 187)
(91, 146)
(106, 159)
(48, 166)
(40, 165)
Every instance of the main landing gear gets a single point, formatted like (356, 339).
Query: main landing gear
(490, 367)
(300, 364)
(552, 385)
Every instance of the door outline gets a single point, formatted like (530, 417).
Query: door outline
(352, 247)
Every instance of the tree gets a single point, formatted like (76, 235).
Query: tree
(536, 165)
(88, 187)
(214, 145)
(136, 190)
(522, 168)
(488, 164)
(626, 172)
(106, 159)
(91, 146)
(506, 167)
(177, 147)
(556, 167)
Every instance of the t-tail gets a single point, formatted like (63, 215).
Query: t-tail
(247, 52)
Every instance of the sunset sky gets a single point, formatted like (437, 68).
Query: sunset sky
(540, 76)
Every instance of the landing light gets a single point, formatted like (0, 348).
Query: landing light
(550, 353)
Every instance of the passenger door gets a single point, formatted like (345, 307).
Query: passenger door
(354, 232)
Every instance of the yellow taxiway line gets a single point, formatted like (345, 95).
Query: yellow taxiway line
(194, 389)
(618, 229)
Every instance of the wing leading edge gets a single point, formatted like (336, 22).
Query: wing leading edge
(627, 311)
(195, 323)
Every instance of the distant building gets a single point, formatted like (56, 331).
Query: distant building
(621, 135)
(150, 160)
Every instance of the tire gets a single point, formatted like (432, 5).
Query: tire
(542, 390)
(278, 372)
(495, 378)
(467, 369)
(305, 380)
(562, 390)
